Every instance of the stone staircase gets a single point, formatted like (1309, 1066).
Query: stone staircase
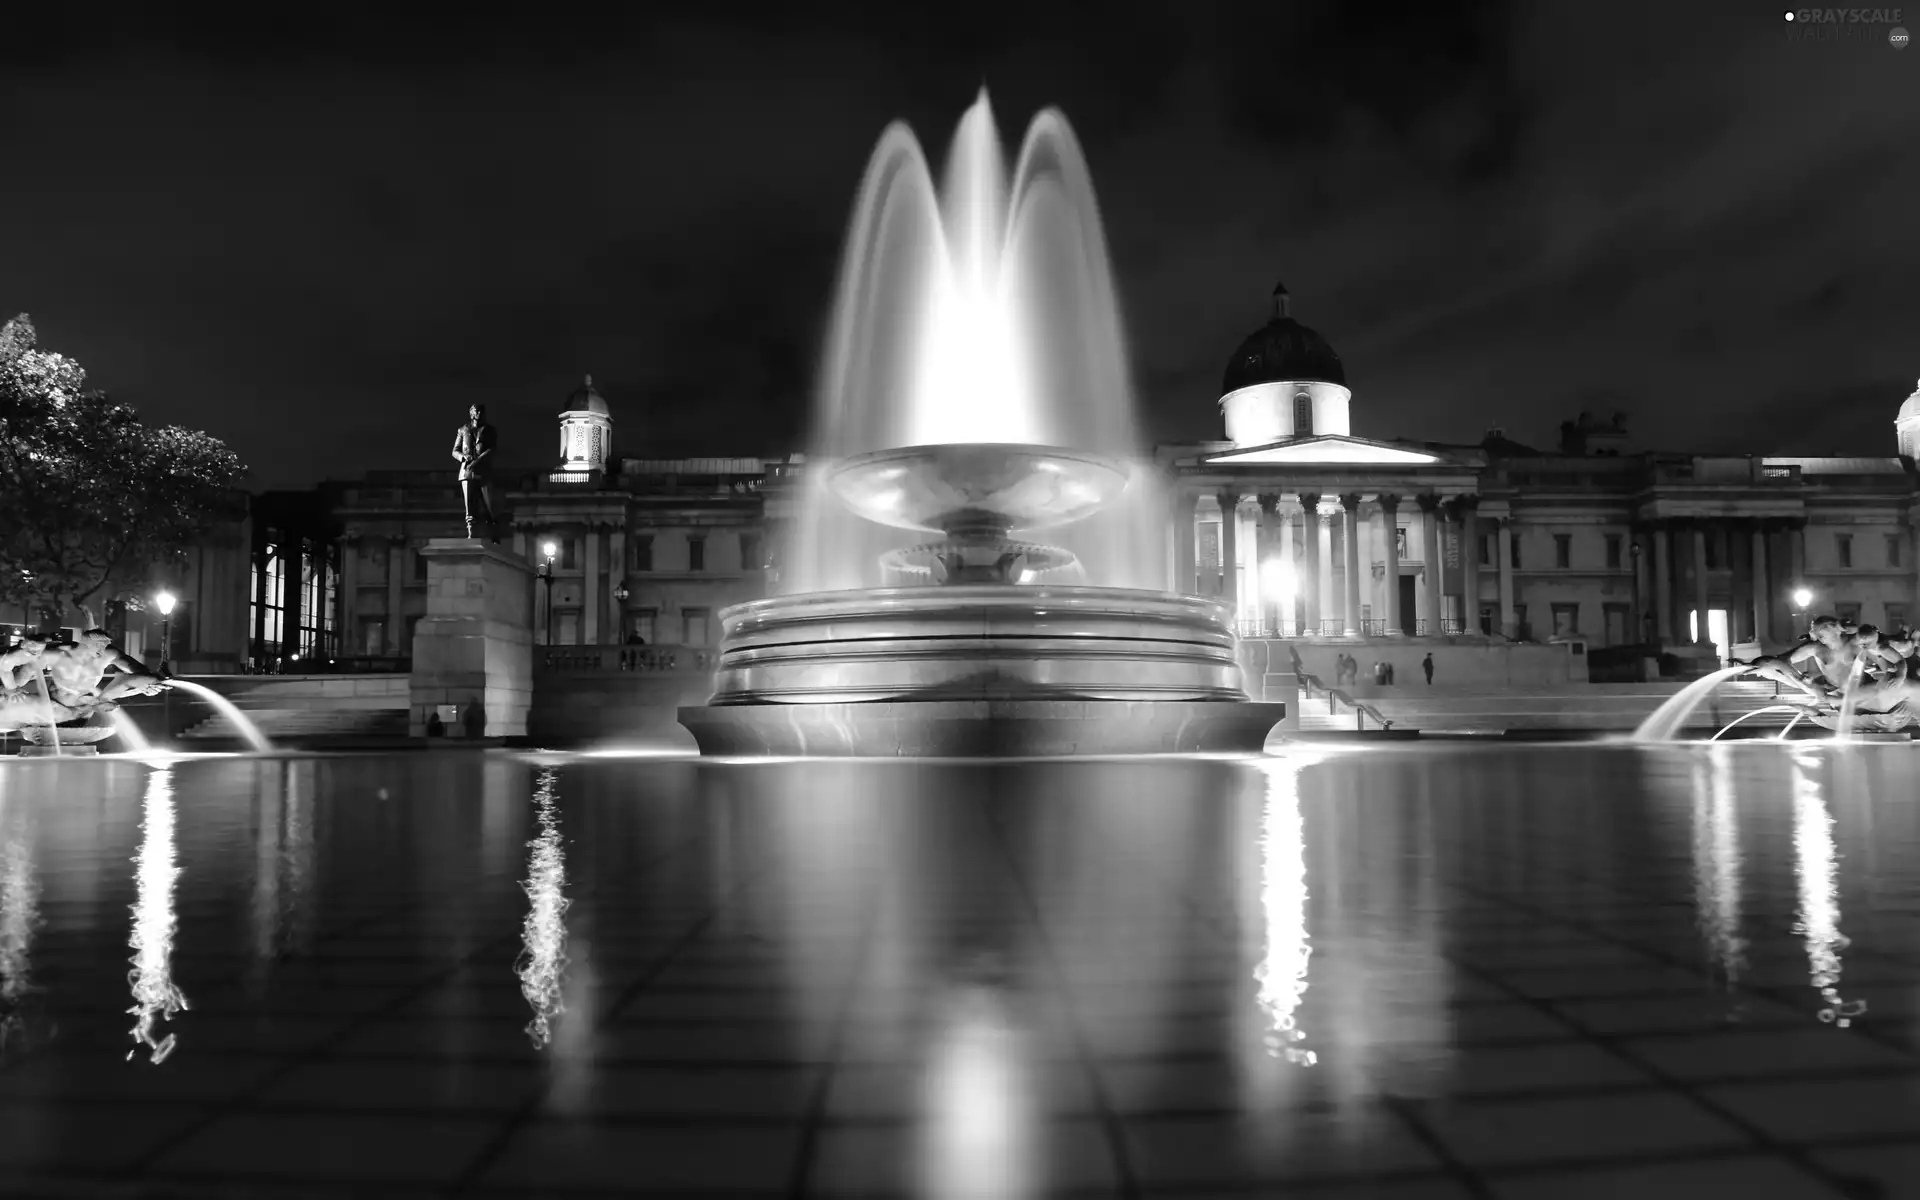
(299, 724)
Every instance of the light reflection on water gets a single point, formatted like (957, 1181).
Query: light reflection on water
(1282, 973)
(155, 998)
(19, 913)
(1716, 859)
(543, 953)
(1817, 867)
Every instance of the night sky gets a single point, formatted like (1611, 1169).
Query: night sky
(320, 241)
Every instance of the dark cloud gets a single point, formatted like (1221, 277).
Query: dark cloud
(321, 242)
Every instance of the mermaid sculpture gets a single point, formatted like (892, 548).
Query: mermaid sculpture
(1881, 674)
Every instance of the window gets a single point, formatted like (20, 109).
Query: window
(1616, 617)
(1400, 541)
(1896, 616)
(1613, 552)
(641, 624)
(1489, 621)
(375, 643)
(1514, 549)
(1486, 549)
(1303, 415)
(696, 559)
(569, 558)
(750, 559)
(1844, 543)
(419, 566)
(1563, 550)
(269, 604)
(1893, 549)
(1711, 541)
(697, 622)
(1566, 620)
(643, 553)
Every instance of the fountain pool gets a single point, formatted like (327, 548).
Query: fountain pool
(1417, 970)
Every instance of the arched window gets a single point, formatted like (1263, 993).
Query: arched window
(1303, 415)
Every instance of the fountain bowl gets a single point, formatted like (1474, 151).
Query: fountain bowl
(74, 739)
(979, 669)
(990, 488)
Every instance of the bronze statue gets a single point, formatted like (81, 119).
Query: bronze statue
(473, 445)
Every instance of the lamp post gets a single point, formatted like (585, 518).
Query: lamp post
(163, 601)
(1639, 622)
(620, 595)
(1802, 600)
(548, 550)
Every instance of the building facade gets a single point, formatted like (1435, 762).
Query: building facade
(1310, 529)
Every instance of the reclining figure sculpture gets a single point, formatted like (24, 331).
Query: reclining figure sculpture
(47, 683)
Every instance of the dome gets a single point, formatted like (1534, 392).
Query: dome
(584, 398)
(1910, 410)
(1282, 350)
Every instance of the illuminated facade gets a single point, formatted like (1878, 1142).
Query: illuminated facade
(1313, 532)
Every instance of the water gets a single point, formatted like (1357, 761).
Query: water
(1663, 724)
(241, 723)
(1404, 971)
(981, 310)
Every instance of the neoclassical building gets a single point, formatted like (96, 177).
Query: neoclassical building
(1318, 534)
(1314, 532)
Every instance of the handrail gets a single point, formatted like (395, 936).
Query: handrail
(1361, 709)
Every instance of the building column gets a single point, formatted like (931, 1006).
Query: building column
(1350, 530)
(1503, 542)
(1229, 555)
(345, 645)
(1430, 537)
(1309, 576)
(1762, 607)
(1329, 602)
(396, 624)
(617, 577)
(1469, 515)
(1913, 556)
(1701, 635)
(1390, 560)
(1663, 588)
(1272, 545)
(1186, 536)
(590, 589)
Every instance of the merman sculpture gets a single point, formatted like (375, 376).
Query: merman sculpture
(64, 686)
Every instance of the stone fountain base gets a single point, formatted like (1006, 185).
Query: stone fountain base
(76, 741)
(1037, 728)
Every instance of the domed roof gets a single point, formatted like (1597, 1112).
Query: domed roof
(1910, 410)
(1282, 349)
(584, 397)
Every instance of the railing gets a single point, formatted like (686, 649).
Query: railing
(364, 664)
(626, 658)
(1310, 683)
(1452, 626)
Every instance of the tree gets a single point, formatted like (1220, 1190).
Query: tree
(89, 494)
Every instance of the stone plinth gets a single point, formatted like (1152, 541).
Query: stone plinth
(475, 645)
(983, 728)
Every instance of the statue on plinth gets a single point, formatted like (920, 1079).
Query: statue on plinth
(473, 445)
(44, 683)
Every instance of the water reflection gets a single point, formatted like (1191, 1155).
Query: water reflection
(978, 1138)
(543, 953)
(1717, 866)
(1282, 973)
(155, 998)
(19, 914)
(1815, 863)
(283, 861)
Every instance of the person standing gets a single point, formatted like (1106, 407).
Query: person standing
(473, 445)
(1426, 664)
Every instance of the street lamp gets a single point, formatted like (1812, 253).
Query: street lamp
(548, 549)
(163, 600)
(1639, 619)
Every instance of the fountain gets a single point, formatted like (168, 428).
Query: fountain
(975, 389)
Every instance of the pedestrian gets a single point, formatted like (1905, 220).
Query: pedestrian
(1380, 673)
(435, 726)
(1426, 664)
(1389, 674)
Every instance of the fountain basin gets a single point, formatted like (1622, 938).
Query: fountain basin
(979, 669)
(1034, 728)
(77, 739)
(976, 642)
(989, 489)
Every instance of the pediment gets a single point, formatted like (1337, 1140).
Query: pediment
(1331, 451)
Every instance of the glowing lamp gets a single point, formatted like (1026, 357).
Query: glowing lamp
(164, 601)
(1277, 577)
(549, 548)
(1802, 597)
